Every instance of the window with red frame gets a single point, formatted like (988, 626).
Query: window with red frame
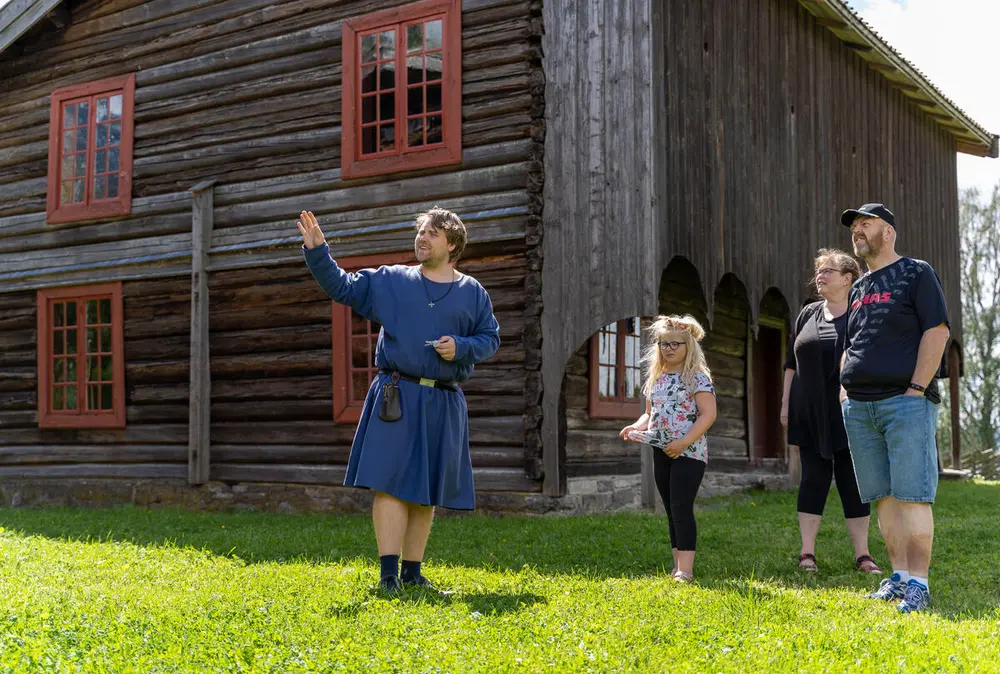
(402, 98)
(616, 371)
(90, 150)
(354, 341)
(81, 365)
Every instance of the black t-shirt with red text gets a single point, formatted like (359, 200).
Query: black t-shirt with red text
(889, 311)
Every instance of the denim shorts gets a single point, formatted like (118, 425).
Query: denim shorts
(894, 446)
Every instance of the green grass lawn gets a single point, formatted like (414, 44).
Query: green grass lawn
(129, 590)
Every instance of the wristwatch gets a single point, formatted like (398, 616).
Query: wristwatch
(918, 387)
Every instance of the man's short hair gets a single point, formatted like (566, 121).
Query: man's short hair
(445, 221)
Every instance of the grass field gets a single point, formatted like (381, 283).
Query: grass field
(129, 590)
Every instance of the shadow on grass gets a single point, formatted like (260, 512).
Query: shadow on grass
(482, 603)
(752, 536)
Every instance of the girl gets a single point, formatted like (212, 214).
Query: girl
(680, 408)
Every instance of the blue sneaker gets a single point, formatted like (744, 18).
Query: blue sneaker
(889, 589)
(917, 598)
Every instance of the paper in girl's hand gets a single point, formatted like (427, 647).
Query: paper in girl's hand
(431, 342)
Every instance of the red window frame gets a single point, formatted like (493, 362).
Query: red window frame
(57, 337)
(90, 208)
(620, 405)
(402, 157)
(346, 407)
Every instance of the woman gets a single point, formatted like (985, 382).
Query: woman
(810, 410)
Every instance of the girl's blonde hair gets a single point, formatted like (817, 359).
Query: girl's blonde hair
(694, 361)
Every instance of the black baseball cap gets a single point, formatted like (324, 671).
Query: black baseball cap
(869, 210)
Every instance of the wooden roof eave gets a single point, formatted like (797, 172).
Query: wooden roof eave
(838, 18)
(17, 17)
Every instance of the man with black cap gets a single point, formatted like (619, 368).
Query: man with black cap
(897, 330)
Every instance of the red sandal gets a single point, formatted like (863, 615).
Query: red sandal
(867, 564)
(807, 562)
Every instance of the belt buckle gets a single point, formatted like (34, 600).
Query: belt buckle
(428, 382)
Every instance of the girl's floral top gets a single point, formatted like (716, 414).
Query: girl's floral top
(673, 414)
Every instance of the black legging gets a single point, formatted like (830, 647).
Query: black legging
(817, 473)
(678, 480)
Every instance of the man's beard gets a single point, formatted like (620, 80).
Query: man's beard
(867, 249)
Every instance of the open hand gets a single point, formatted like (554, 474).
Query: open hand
(312, 236)
(446, 347)
(623, 434)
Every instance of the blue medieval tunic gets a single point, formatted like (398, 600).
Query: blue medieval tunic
(422, 457)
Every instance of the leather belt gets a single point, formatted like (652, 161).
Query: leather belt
(432, 383)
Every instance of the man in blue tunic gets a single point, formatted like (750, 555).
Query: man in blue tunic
(437, 323)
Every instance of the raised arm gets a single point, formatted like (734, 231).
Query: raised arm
(351, 289)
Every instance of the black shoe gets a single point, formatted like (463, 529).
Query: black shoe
(424, 584)
(390, 584)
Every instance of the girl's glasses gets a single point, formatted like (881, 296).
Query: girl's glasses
(673, 346)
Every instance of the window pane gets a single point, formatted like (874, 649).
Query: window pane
(105, 310)
(91, 312)
(116, 106)
(102, 135)
(368, 109)
(78, 187)
(387, 45)
(71, 341)
(71, 398)
(57, 315)
(113, 185)
(58, 398)
(93, 368)
(433, 97)
(81, 139)
(67, 167)
(387, 76)
(107, 373)
(71, 314)
(414, 38)
(100, 187)
(368, 79)
(71, 369)
(359, 386)
(66, 192)
(80, 164)
(632, 383)
(101, 161)
(59, 370)
(415, 101)
(368, 48)
(387, 137)
(93, 396)
(113, 160)
(106, 340)
(102, 110)
(432, 64)
(115, 137)
(107, 402)
(59, 342)
(91, 340)
(368, 140)
(81, 113)
(359, 352)
(433, 35)
(69, 142)
(414, 69)
(69, 116)
(434, 129)
(415, 132)
(386, 107)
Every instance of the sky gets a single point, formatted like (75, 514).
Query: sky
(952, 42)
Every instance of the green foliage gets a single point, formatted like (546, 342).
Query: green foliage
(130, 590)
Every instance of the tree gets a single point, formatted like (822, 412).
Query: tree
(979, 230)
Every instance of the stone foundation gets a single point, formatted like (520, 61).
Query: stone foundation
(720, 483)
(603, 493)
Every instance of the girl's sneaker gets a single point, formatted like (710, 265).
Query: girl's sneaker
(682, 577)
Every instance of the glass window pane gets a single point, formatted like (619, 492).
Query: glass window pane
(433, 34)
(107, 373)
(71, 342)
(116, 106)
(113, 185)
(93, 368)
(414, 38)
(80, 164)
(81, 139)
(359, 386)
(115, 136)
(69, 142)
(414, 69)
(387, 76)
(71, 398)
(78, 187)
(102, 110)
(100, 187)
(432, 66)
(387, 137)
(415, 132)
(71, 313)
(93, 396)
(66, 192)
(387, 107)
(59, 370)
(106, 340)
(59, 342)
(91, 340)
(67, 167)
(368, 79)
(113, 160)
(368, 140)
(82, 109)
(107, 402)
(387, 45)
(368, 48)
(102, 135)
(415, 101)
(57, 314)
(434, 129)
(91, 312)
(359, 352)
(69, 116)
(433, 97)
(58, 398)
(71, 369)
(368, 109)
(105, 310)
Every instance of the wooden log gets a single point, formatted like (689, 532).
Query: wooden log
(18, 400)
(274, 410)
(486, 479)
(12, 455)
(590, 444)
(17, 418)
(494, 457)
(728, 346)
(200, 373)
(96, 470)
(728, 366)
(599, 467)
(18, 378)
(157, 414)
(729, 387)
(726, 447)
(136, 435)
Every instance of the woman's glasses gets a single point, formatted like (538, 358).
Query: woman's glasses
(672, 346)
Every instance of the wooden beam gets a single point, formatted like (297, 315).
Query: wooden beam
(956, 431)
(831, 23)
(199, 420)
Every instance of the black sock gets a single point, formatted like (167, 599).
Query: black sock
(390, 565)
(411, 571)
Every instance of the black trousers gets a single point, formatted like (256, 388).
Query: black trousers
(817, 473)
(678, 481)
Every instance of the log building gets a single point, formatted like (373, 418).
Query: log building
(162, 341)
